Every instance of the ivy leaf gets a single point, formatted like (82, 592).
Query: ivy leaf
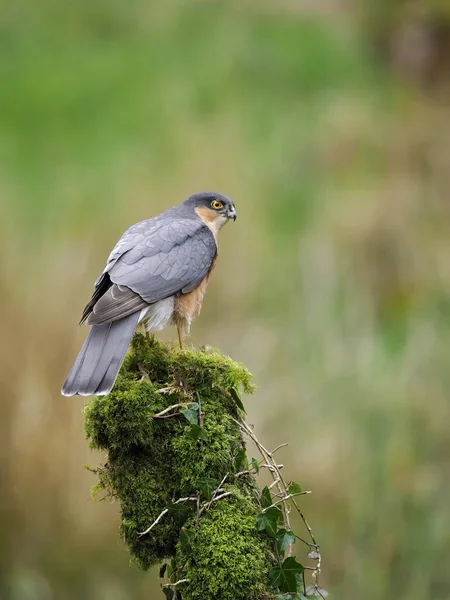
(268, 521)
(281, 580)
(207, 486)
(197, 433)
(187, 538)
(284, 540)
(179, 511)
(241, 461)
(294, 488)
(284, 577)
(171, 568)
(255, 465)
(300, 586)
(266, 498)
(191, 413)
(235, 395)
(162, 570)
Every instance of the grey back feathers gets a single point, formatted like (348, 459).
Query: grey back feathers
(158, 258)
(154, 263)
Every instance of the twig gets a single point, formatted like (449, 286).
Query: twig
(167, 410)
(286, 498)
(274, 470)
(216, 491)
(279, 448)
(164, 512)
(222, 496)
(282, 487)
(311, 535)
(306, 543)
(171, 388)
(242, 473)
(174, 585)
(171, 416)
(272, 467)
(207, 505)
(181, 500)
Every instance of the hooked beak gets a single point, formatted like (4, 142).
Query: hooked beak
(232, 214)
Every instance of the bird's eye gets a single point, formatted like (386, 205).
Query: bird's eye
(216, 204)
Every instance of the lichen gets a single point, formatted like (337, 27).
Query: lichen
(153, 462)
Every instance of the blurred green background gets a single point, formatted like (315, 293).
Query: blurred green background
(328, 123)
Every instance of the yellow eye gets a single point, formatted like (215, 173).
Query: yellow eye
(216, 204)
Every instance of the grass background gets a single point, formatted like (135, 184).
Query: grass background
(329, 125)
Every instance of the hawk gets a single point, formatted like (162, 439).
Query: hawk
(156, 274)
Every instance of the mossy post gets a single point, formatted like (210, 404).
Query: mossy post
(172, 428)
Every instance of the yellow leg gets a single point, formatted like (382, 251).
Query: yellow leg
(180, 337)
(144, 328)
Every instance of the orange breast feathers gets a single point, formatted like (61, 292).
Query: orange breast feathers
(188, 306)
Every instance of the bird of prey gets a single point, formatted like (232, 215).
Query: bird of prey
(157, 274)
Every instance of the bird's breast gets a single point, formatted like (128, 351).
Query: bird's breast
(188, 306)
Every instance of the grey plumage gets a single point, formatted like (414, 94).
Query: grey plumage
(166, 256)
(99, 360)
(151, 263)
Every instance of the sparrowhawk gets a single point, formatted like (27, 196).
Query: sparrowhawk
(157, 274)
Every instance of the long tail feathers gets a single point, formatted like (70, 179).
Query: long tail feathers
(99, 360)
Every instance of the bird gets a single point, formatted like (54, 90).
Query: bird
(157, 274)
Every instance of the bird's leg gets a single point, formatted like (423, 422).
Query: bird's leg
(180, 337)
(146, 332)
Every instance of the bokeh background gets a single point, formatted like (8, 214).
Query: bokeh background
(328, 122)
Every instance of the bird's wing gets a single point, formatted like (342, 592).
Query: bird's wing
(136, 234)
(152, 261)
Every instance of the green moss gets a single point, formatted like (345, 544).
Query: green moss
(227, 559)
(153, 462)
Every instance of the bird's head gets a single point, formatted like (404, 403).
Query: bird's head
(214, 209)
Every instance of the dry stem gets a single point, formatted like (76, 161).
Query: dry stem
(161, 414)
(164, 512)
(282, 486)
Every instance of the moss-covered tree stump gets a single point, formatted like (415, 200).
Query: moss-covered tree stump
(177, 465)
